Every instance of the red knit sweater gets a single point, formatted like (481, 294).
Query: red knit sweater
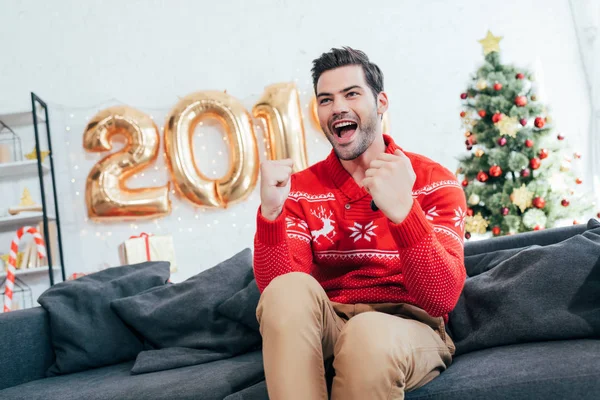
(328, 230)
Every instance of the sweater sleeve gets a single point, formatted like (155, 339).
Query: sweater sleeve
(283, 245)
(430, 244)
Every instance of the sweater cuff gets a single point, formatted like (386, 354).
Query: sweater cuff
(413, 229)
(271, 233)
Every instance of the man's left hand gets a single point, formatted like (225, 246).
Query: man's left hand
(389, 180)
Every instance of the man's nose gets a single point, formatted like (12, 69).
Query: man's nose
(340, 107)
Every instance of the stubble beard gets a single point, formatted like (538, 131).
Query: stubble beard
(366, 136)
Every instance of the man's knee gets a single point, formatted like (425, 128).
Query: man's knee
(288, 297)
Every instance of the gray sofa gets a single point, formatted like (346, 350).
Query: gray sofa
(546, 346)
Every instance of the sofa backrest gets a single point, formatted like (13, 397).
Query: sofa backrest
(25, 346)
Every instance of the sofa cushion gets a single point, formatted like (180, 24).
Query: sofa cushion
(185, 315)
(241, 307)
(211, 381)
(84, 331)
(532, 294)
(566, 370)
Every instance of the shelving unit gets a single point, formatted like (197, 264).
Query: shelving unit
(21, 169)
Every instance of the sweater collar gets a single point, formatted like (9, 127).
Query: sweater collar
(342, 178)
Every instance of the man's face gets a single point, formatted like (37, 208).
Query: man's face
(349, 113)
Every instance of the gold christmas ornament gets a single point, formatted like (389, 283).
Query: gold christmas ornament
(522, 197)
(5, 257)
(479, 153)
(26, 199)
(565, 166)
(476, 224)
(474, 199)
(508, 126)
(490, 43)
(481, 84)
(468, 133)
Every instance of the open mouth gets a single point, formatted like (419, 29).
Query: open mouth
(344, 129)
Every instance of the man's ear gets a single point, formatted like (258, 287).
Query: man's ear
(382, 103)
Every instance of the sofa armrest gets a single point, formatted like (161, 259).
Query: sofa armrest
(25, 346)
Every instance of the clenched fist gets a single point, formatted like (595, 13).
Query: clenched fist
(274, 186)
(389, 180)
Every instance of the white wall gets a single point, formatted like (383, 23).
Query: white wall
(78, 56)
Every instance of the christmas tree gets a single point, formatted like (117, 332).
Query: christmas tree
(518, 174)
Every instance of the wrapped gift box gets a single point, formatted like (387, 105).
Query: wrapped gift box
(145, 247)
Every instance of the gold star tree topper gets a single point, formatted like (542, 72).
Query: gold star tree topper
(522, 197)
(490, 43)
(508, 126)
(32, 155)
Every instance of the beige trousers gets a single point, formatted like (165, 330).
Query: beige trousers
(379, 351)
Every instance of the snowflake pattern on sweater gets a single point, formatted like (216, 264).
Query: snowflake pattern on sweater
(328, 230)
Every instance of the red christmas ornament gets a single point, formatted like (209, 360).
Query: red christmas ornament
(543, 153)
(577, 155)
(481, 113)
(525, 173)
(575, 222)
(529, 143)
(482, 176)
(537, 228)
(520, 101)
(523, 122)
(462, 114)
(578, 181)
(465, 183)
(505, 211)
(535, 163)
(560, 137)
(467, 235)
(497, 86)
(471, 140)
(520, 76)
(469, 147)
(539, 122)
(565, 203)
(496, 117)
(463, 96)
(502, 141)
(598, 215)
(539, 202)
(470, 212)
(496, 230)
(495, 171)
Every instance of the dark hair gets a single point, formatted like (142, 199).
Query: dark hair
(348, 56)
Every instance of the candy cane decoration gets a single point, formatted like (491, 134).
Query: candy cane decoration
(12, 261)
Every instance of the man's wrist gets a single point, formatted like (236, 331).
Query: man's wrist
(398, 215)
(271, 215)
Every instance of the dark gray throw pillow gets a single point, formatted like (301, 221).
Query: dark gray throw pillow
(241, 306)
(536, 293)
(185, 314)
(84, 331)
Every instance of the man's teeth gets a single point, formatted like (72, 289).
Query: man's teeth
(343, 124)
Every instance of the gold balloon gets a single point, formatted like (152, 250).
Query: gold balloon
(242, 175)
(105, 192)
(314, 117)
(279, 107)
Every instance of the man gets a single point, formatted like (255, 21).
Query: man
(358, 258)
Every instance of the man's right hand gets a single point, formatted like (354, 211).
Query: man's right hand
(274, 186)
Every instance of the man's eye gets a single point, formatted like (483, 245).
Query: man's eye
(323, 101)
(352, 94)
